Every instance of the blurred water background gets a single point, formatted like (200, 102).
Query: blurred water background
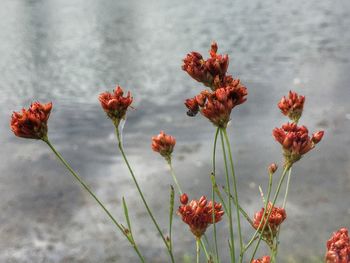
(68, 52)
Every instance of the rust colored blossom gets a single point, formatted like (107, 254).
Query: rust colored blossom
(295, 141)
(31, 123)
(198, 214)
(163, 144)
(217, 105)
(275, 219)
(292, 106)
(338, 247)
(210, 72)
(115, 105)
(264, 259)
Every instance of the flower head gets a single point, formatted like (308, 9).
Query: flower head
(292, 106)
(210, 72)
(275, 219)
(295, 141)
(115, 105)
(217, 105)
(338, 247)
(31, 123)
(264, 259)
(163, 144)
(198, 214)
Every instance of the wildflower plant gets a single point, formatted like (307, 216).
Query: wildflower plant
(221, 94)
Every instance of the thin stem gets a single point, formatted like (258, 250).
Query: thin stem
(232, 241)
(287, 188)
(242, 211)
(283, 206)
(235, 191)
(174, 177)
(204, 248)
(197, 249)
(142, 196)
(180, 192)
(213, 197)
(254, 237)
(171, 215)
(273, 203)
(87, 188)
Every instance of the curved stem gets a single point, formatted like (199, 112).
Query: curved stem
(213, 197)
(269, 213)
(232, 241)
(87, 188)
(142, 196)
(235, 192)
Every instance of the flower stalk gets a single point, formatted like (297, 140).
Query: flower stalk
(120, 145)
(234, 191)
(87, 188)
(228, 186)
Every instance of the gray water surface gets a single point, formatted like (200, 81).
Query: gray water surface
(68, 52)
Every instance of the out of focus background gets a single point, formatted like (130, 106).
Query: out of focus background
(68, 52)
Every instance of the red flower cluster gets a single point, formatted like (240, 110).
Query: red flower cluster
(292, 106)
(198, 214)
(295, 141)
(115, 105)
(163, 144)
(210, 72)
(277, 216)
(31, 123)
(264, 259)
(226, 91)
(217, 105)
(338, 247)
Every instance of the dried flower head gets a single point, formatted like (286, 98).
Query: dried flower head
(275, 219)
(295, 141)
(210, 72)
(264, 259)
(338, 247)
(115, 105)
(292, 106)
(217, 105)
(198, 214)
(163, 144)
(31, 123)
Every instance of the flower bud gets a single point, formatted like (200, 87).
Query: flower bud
(272, 168)
(317, 137)
(184, 199)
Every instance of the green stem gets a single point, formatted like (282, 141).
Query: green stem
(174, 177)
(254, 237)
(235, 192)
(120, 145)
(204, 248)
(197, 249)
(273, 203)
(287, 188)
(242, 211)
(283, 206)
(87, 188)
(213, 197)
(232, 241)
